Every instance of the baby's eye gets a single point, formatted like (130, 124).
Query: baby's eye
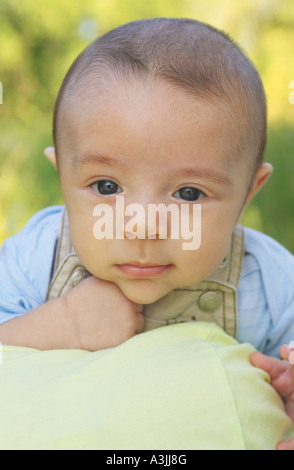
(189, 193)
(106, 187)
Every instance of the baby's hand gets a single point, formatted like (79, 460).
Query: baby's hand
(282, 379)
(101, 314)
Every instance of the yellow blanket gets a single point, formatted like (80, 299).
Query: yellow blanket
(185, 386)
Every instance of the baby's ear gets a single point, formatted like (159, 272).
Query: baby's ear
(261, 176)
(49, 152)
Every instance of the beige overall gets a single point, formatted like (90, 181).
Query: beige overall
(212, 300)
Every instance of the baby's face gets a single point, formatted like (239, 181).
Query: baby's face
(150, 144)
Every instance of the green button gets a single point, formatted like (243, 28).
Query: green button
(209, 301)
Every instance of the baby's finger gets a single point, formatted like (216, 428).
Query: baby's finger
(287, 352)
(273, 366)
(139, 308)
(289, 445)
(284, 351)
(140, 323)
(291, 353)
(140, 318)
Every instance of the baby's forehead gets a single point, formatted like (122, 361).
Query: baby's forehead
(164, 117)
(96, 93)
(188, 55)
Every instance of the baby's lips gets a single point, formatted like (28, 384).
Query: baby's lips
(291, 354)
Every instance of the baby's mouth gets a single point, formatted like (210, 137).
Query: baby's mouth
(143, 270)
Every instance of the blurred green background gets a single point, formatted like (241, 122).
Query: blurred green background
(38, 42)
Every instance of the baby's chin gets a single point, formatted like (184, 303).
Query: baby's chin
(143, 293)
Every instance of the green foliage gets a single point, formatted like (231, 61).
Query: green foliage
(39, 41)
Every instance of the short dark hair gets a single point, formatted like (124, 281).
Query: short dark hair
(189, 54)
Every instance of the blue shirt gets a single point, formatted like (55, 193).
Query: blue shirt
(265, 292)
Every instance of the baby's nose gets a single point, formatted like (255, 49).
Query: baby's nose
(144, 221)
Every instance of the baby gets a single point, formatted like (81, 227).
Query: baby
(161, 111)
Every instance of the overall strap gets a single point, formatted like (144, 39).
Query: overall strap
(68, 269)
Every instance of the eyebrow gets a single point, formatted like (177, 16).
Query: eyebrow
(90, 159)
(202, 172)
(207, 173)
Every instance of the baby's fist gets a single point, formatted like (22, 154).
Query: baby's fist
(102, 315)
